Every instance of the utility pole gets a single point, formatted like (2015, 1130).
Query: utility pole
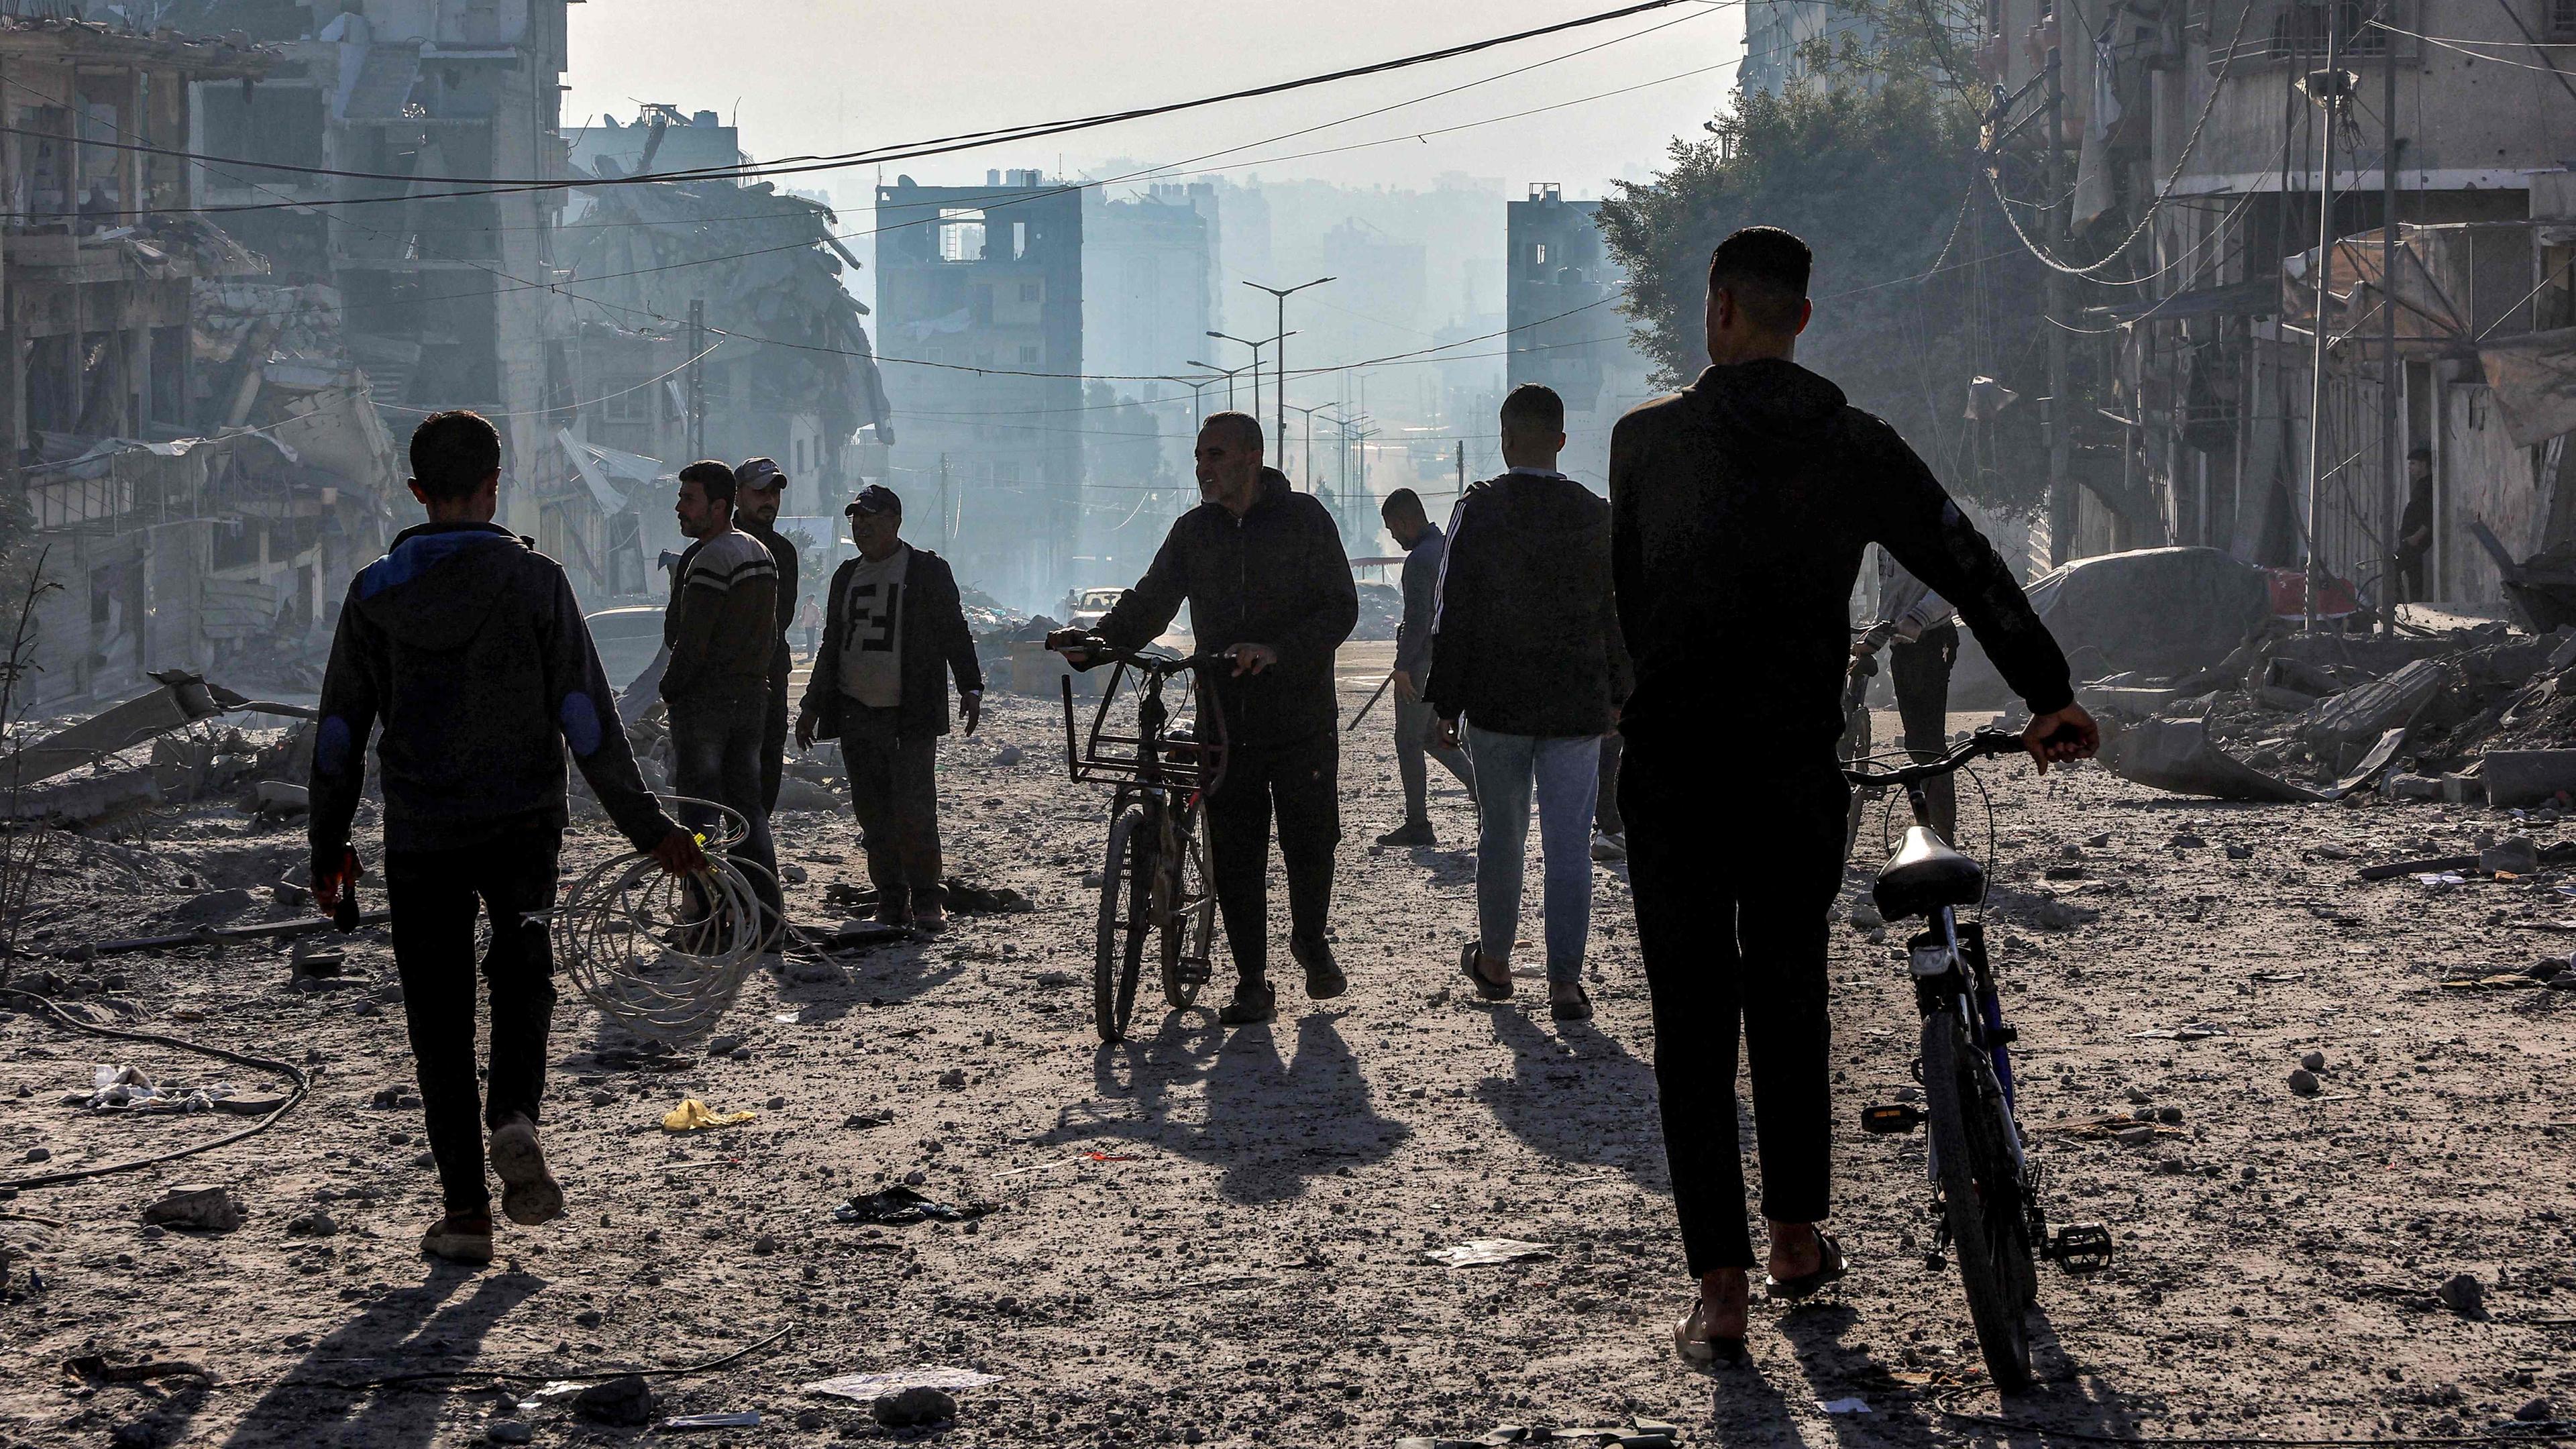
(943, 503)
(1228, 374)
(1279, 359)
(2325, 87)
(697, 377)
(1462, 467)
(2053, 419)
(2392, 373)
(1256, 347)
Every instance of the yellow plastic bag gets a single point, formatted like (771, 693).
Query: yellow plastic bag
(692, 1115)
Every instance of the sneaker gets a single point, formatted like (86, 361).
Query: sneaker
(1607, 847)
(1412, 834)
(460, 1238)
(529, 1193)
(1253, 1002)
(1324, 978)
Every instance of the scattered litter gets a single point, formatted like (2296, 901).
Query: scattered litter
(2442, 879)
(898, 1205)
(1846, 1406)
(2195, 1031)
(746, 1419)
(126, 1089)
(692, 1115)
(1487, 1252)
(866, 1387)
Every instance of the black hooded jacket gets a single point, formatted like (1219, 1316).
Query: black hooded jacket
(1740, 507)
(467, 644)
(1524, 639)
(1275, 576)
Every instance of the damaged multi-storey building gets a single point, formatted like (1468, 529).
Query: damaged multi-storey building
(199, 469)
(2233, 135)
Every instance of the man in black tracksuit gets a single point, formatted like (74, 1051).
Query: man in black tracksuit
(1262, 569)
(469, 648)
(760, 487)
(1739, 511)
(895, 635)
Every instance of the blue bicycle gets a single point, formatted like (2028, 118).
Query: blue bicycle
(1989, 1213)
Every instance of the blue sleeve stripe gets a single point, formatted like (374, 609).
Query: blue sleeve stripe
(331, 747)
(580, 718)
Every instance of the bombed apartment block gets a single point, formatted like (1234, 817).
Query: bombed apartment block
(979, 295)
(1561, 295)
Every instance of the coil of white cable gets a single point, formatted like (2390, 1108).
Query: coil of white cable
(665, 956)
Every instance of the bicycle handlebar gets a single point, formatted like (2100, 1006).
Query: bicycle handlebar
(1981, 745)
(1097, 652)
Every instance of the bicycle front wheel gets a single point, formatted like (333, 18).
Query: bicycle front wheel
(1126, 902)
(1185, 911)
(1981, 1194)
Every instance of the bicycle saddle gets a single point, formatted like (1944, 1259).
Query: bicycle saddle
(1924, 875)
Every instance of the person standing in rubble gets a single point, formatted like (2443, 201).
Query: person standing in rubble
(1740, 508)
(1526, 664)
(1424, 545)
(2415, 525)
(894, 637)
(722, 630)
(1261, 567)
(759, 488)
(467, 646)
(1921, 636)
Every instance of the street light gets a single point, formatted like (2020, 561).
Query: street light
(1256, 362)
(1310, 432)
(1228, 374)
(1279, 359)
(1194, 384)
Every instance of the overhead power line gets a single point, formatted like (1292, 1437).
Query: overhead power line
(876, 155)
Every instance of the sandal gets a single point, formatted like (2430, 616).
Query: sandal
(1805, 1285)
(1578, 1009)
(1486, 987)
(1698, 1345)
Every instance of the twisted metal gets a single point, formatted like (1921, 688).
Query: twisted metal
(659, 955)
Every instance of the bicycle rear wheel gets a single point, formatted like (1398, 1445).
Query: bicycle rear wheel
(1185, 912)
(1126, 900)
(1981, 1195)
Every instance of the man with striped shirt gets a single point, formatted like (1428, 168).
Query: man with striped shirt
(721, 629)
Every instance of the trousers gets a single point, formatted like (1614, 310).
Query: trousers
(435, 896)
(1733, 875)
(894, 792)
(773, 735)
(1414, 741)
(1920, 671)
(1565, 770)
(715, 755)
(1605, 801)
(1300, 781)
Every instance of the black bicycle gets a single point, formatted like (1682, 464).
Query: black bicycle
(1989, 1212)
(1154, 880)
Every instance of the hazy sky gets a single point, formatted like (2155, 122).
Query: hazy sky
(814, 76)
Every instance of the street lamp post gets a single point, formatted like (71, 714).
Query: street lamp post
(1194, 384)
(1227, 373)
(1281, 334)
(1256, 362)
(1309, 414)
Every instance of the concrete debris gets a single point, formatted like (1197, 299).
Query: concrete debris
(196, 1207)
(866, 1388)
(918, 1405)
(625, 1402)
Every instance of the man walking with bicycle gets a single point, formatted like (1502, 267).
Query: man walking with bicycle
(1740, 509)
(1261, 567)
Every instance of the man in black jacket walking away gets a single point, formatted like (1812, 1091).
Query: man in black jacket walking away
(1425, 546)
(1525, 648)
(894, 636)
(1739, 511)
(1261, 567)
(469, 648)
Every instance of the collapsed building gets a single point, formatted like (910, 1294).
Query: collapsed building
(198, 465)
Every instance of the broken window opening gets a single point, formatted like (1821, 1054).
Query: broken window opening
(961, 234)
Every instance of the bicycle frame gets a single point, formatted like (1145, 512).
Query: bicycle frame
(1951, 974)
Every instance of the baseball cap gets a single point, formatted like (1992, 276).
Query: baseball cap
(759, 475)
(875, 498)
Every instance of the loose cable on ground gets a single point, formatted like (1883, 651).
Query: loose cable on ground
(576, 1376)
(303, 1085)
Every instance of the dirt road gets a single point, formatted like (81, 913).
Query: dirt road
(1220, 1237)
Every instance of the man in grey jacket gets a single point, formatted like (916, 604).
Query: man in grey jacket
(1424, 547)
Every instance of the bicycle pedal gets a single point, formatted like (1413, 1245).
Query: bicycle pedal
(1891, 1118)
(2081, 1248)
(1192, 970)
